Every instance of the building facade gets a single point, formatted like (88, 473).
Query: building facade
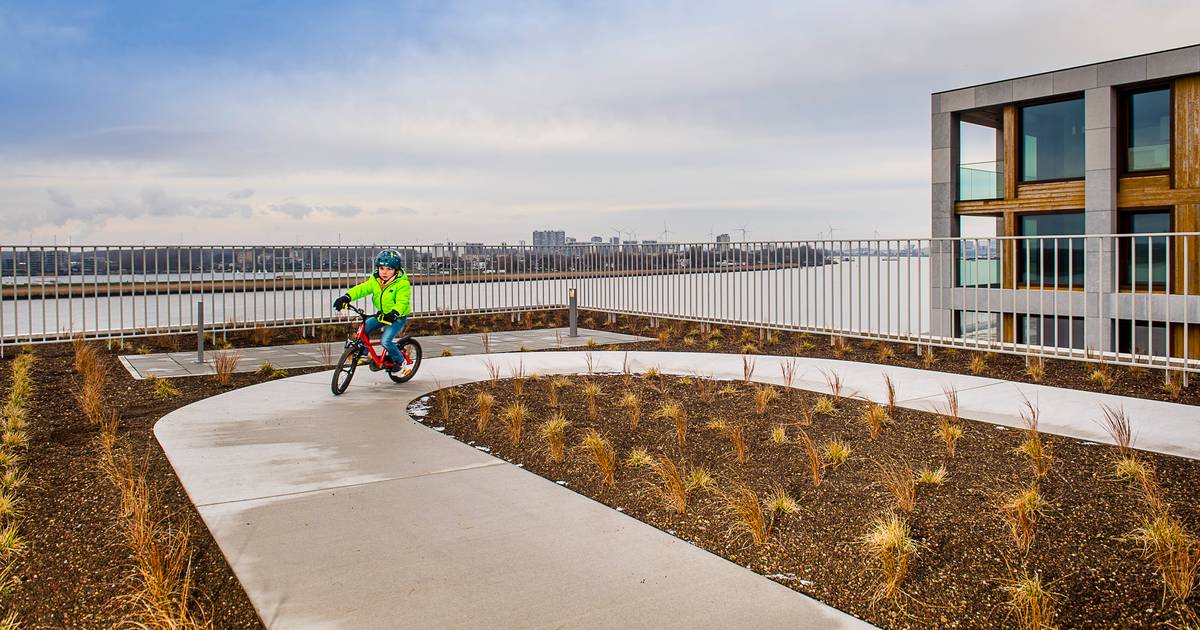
(549, 238)
(1095, 171)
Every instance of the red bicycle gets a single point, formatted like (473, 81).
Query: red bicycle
(360, 350)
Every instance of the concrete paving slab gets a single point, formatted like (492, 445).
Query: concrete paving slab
(179, 364)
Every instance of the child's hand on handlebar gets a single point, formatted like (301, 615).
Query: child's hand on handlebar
(341, 303)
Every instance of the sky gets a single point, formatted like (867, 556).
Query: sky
(418, 122)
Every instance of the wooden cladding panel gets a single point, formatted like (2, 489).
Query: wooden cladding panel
(1187, 133)
(1153, 191)
(1186, 249)
(1010, 152)
(1031, 198)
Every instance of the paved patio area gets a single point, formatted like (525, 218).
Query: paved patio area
(177, 364)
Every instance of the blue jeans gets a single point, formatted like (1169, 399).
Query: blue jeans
(389, 336)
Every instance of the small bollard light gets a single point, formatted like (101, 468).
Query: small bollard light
(573, 305)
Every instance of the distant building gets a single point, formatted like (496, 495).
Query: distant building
(722, 238)
(549, 238)
(597, 239)
(614, 240)
(571, 240)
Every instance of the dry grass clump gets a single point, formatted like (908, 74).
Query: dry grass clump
(763, 396)
(632, 405)
(1035, 369)
(928, 358)
(884, 352)
(804, 343)
(1034, 448)
(1102, 374)
(1031, 602)
(823, 406)
(749, 348)
(675, 412)
(949, 429)
(706, 389)
(445, 400)
(932, 477)
(889, 543)
(164, 388)
(779, 503)
(261, 336)
(875, 418)
(673, 489)
(836, 452)
(554, 432)
(890, 387)
(1174, 551)
(592, 392)
(1021, 510)
(269, 371)
(841, 346)
(737, 440)
(748, 364)
(493, 371)
(602, 454)
(225, 364)
(787, 369)
(815, 465)
(898, 479)
(639, 458)
(514, 420)
(978, 363)
(1173, 385)
(834, 381)
(699, 479)
(746, 507)
(779, 434)
(483, 403)
(1116, 424)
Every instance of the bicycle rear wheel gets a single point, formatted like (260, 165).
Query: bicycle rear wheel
(345, 369)
(412, 350)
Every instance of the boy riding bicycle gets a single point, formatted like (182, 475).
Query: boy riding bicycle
(391, 294)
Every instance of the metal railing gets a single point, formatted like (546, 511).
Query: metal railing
(1124, 299)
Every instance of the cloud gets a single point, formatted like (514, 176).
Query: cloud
(297, 210)
(242, 193)
(149, 203)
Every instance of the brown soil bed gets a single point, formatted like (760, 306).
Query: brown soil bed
(687, 337)
(76, 565)
(966, 554)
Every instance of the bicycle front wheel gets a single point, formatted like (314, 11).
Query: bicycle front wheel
(345, 369)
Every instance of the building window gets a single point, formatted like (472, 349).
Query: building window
(1050, 261)
(1050, 331)
(1052, 141)
(1144, 259)
(1148, 131)
(978, 326)
(1141, 337)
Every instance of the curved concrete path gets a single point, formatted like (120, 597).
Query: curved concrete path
(344, 512)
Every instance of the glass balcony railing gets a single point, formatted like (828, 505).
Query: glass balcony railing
(980, 180)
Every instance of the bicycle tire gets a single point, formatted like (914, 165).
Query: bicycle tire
(344, 372)
(413, 349)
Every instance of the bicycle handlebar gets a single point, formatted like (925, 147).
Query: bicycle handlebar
(360, 312)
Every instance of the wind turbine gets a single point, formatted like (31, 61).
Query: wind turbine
(665, 235)
(743, 231)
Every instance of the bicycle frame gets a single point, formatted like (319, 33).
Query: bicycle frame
(381, 358)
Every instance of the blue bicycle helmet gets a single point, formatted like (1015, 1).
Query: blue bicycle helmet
(388, 258)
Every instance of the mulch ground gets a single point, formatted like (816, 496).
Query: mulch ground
(1079, 375)
(76, 565)
(965, 556)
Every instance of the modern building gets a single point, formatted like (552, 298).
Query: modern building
(1075, 162)
(549, 238)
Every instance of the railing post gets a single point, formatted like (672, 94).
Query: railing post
(573, 306)
(200, 332)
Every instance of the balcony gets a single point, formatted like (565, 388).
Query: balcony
(981, 180)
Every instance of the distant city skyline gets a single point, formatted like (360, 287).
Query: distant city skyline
(284, 122)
